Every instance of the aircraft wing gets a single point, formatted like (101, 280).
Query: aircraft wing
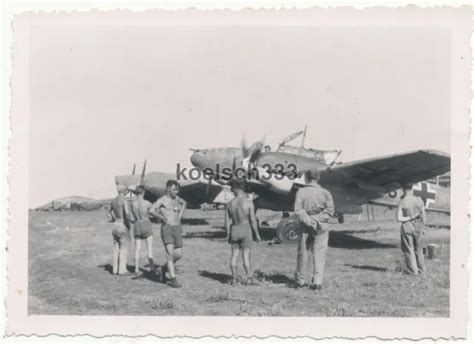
(198, 192)
(194, 192)
(390, 172)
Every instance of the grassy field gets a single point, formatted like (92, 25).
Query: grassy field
(70, 255)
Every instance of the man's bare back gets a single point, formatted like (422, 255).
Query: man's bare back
(239, 211)
(141, 209)
(242, 214)
(118, 208)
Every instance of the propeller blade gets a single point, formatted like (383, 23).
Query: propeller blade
(134, 167)
(255, 149)
(142, 178)
(245, 150)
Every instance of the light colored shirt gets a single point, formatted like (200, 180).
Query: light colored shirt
(314, 202)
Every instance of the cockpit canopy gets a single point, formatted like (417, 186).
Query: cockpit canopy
(327, 157)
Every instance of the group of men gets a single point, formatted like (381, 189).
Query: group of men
(313, 207)
(131, 222)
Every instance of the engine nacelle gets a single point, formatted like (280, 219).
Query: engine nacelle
(279, 183)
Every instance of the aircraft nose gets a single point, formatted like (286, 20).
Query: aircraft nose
(198, 159)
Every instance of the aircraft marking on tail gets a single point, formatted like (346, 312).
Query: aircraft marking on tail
(426, 192)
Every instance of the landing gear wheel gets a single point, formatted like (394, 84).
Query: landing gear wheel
(340, 218)
(288, 230)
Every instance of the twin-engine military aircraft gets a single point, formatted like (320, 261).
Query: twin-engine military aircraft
(277, 175)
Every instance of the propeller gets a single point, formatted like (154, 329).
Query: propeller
(254, 150)
(134, 167)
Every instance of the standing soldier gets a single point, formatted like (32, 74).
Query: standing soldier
(411, 213)
(169, 209)
(313, 207)
(142, 229)
(242, 213)
(119, 214)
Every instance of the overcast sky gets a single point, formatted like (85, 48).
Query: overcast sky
(103, 98)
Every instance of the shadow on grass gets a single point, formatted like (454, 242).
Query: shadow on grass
(148, 275)
(222, 278)
(194, 222)
(337, 239)
(144, 274)
(341, 239)
(361, 231)
(206, 235)
(266, 234)
(108, 268)
(276, 278)
(367, 267)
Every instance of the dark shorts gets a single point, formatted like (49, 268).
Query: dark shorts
(142, 229)
(241, 237)
(172, 234)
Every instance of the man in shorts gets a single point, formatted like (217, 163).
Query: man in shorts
(142, 228)
(241, 212)
(119, 214)
(169, 209)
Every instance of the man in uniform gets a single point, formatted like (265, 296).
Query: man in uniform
(313, 207)
(169, 209)
(119, 214)
(411, 213)
(241, 212)
(142, 228)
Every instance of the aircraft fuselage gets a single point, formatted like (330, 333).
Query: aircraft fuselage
(348, 195)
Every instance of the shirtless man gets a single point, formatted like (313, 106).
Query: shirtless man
(142, 229)
(169, 209)
(242, 214)
(119, 214)
(411, 214)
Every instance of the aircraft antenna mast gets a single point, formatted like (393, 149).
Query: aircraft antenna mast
(304, 136)
(289, 138)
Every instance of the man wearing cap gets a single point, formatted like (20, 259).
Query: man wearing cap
(313, 207)
(241, 212)
(169, 209)
(411, 214)
(142, 228)
(119, 214)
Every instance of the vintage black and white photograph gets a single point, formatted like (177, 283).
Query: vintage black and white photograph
(242, 164)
